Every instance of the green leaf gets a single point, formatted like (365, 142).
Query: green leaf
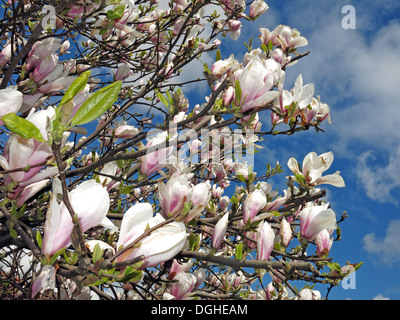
(22, 127)
(77, 86)
(334, 266)
(162, 99)
(131, 274)
(13, 233)
(238, 92)
(39, 238)
(55, 256)
(116, 14)
(218, 55)
(97, 253)
(239, 251)
(98, 103)
(358, 266)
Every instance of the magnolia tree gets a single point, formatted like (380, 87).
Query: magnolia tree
(115, 187)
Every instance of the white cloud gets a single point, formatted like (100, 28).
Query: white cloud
(356, 73)
(384, 250)
(380, 181)
(380, 296)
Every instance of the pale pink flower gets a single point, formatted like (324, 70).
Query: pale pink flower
(314, 166)
(219, 231)
(265, 241)
(324, 242)
(90, 202)
(161, 245)
(314, 219)
(253, 204)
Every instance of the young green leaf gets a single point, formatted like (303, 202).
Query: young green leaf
(116, 14)
(22, 127)
(77, 86)
(98, 103)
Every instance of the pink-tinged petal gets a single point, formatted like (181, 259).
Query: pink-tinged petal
(10, 102)
(137, 215)
(265, 241)
(45, 281)
(30, 190)
(314, 219)
(254, 202)
(53, 218)
(90, 202)
(333, 179)
(219, 231)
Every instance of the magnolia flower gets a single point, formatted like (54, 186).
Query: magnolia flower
(257, 8)
(219, 231)
(123, 72)
(44, 67)
(27, 153)
(314, 166)
(308, 294)
(324, 242)
(10, 101)
(222, 66)
(285, 232)
(90, 202)
(314, 219)
(40, 50)
(158, 159)
(256, 81)
(265, 241)
(173, 195)
(45, 281)
(253, 204)
(283, 36)
(185, 283)
(160, 245)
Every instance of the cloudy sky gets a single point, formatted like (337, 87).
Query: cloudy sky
(357, 72)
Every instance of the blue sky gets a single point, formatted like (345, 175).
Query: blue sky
(356, 72)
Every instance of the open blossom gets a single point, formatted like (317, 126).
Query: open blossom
(161, 245)
(185, 283)
(283, 36)
(257, 80)
(314, 219)
(257, 8)
(90, 202)
(314, 166)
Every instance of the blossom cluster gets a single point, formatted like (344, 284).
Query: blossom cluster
(112, 178)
